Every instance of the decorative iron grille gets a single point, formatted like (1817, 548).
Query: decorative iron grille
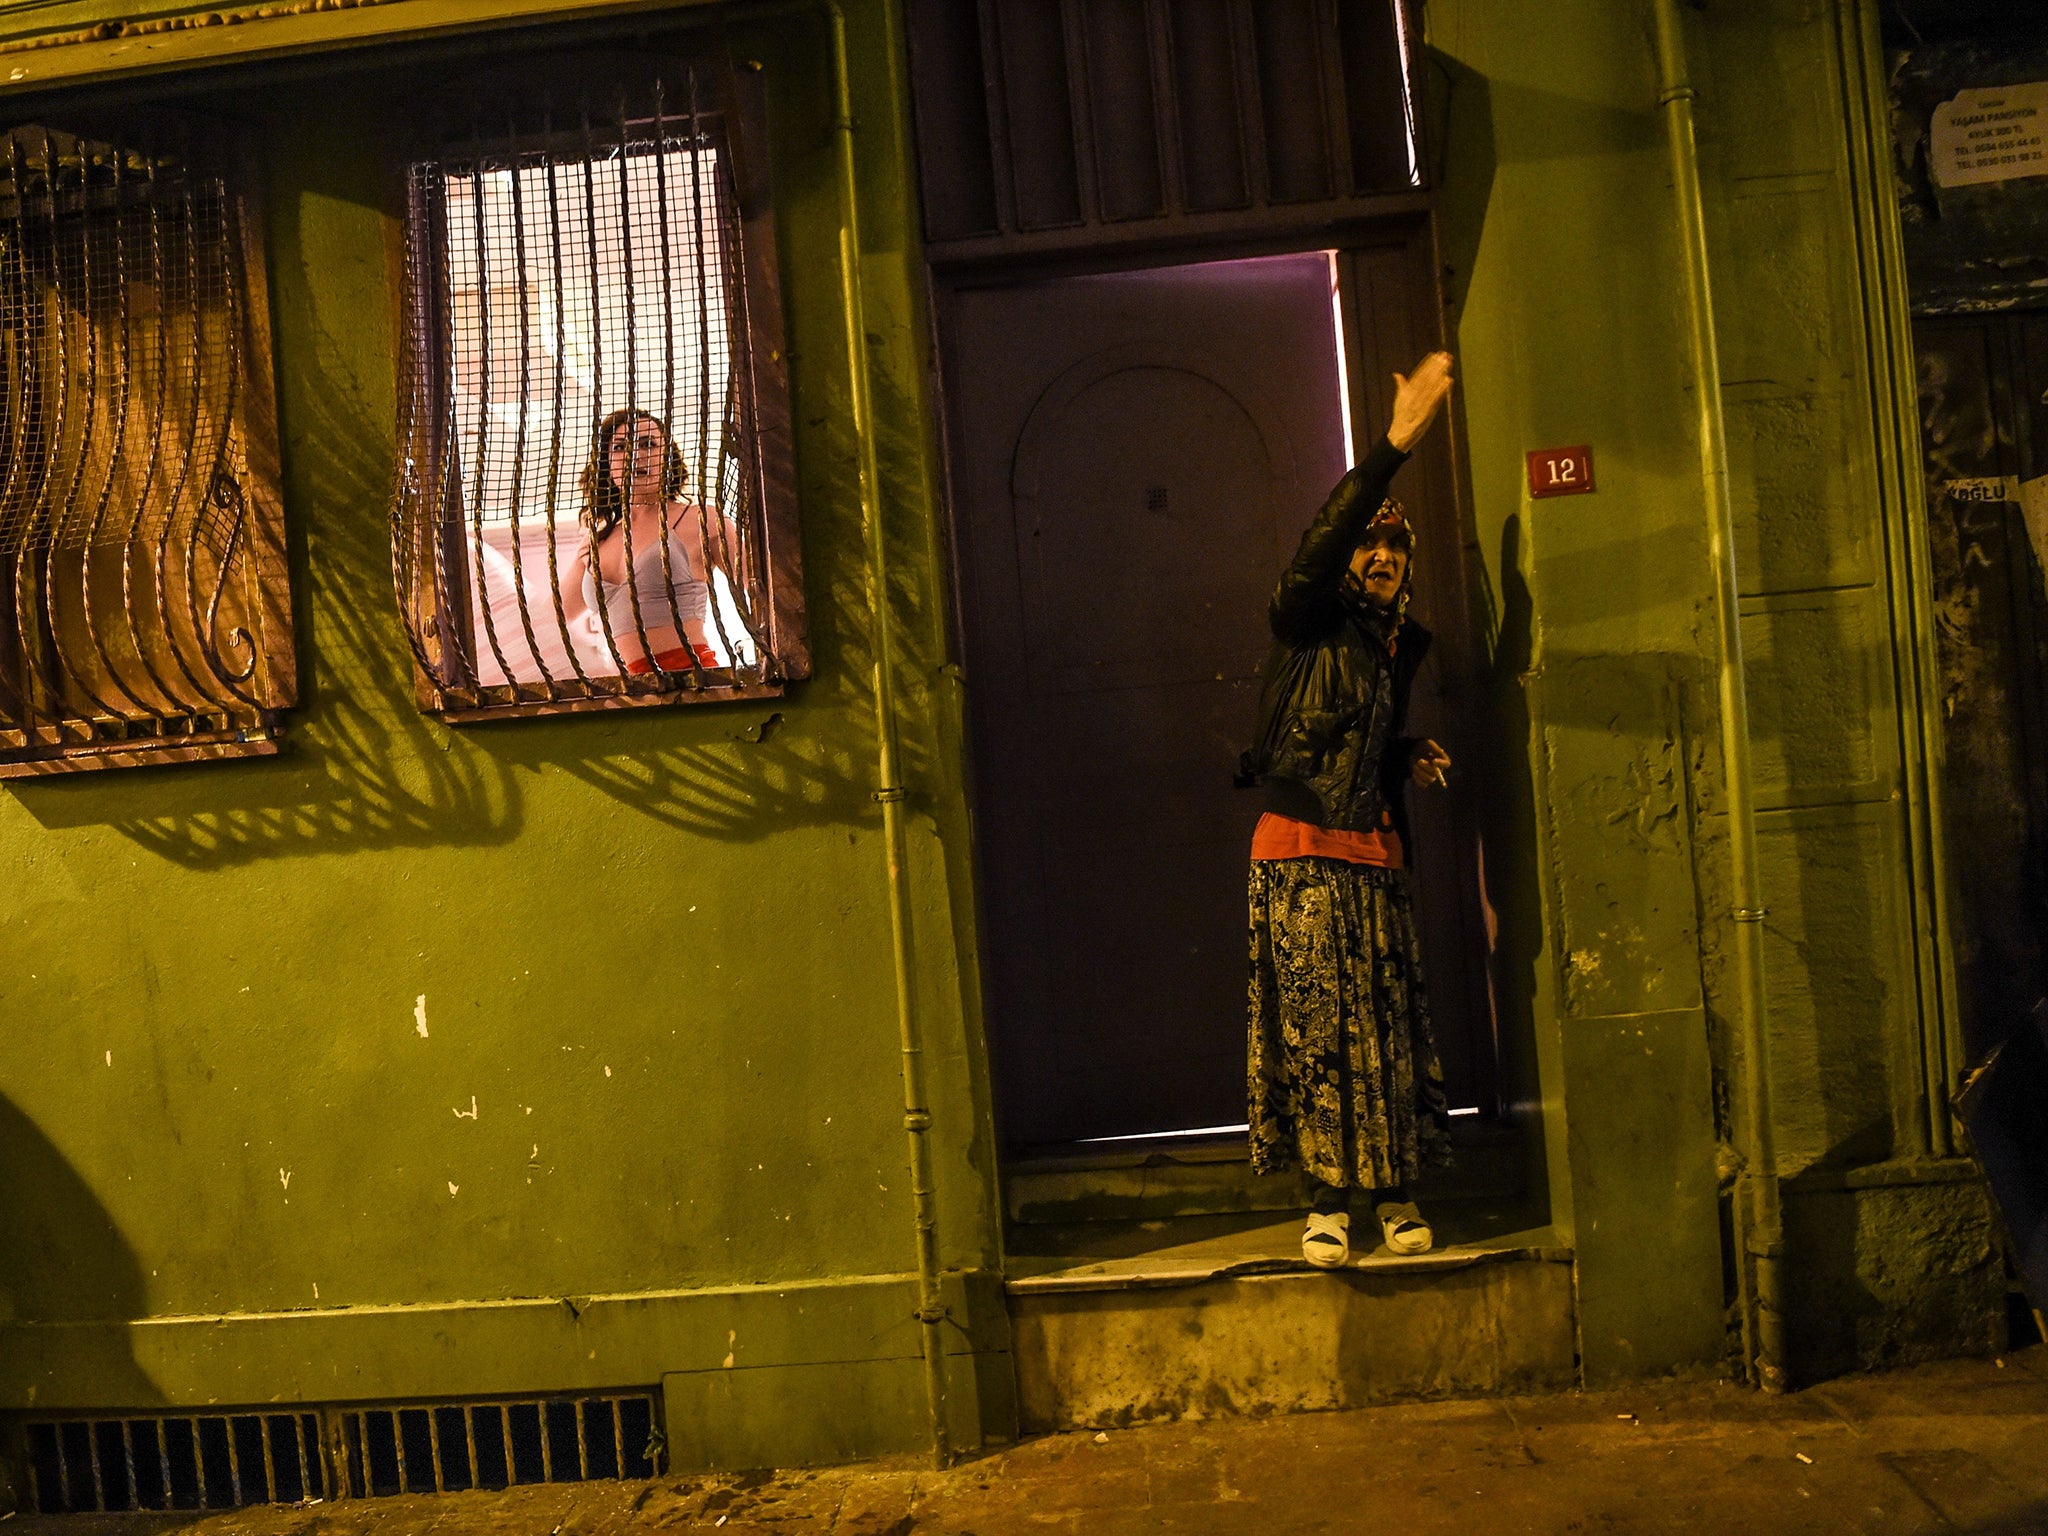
(592, 498)
(146, 615)
(228, 1461)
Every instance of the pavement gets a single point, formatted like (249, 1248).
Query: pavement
(1955, 1447)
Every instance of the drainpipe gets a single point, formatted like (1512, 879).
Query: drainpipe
(889, 792)
(1759, 1225)
(917, 1119)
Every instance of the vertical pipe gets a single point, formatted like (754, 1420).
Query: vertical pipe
(917, 1119)
(1894, 391)
(1758, 1223)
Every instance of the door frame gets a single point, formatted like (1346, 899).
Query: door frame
(1377, 248)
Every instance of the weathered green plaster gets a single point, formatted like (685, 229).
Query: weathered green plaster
(1558, 224)
(1886, 1273)
(1559, 239)
(654, 946)
(1798, 173)
(659, 1052)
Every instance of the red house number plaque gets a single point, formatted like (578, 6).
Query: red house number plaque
(1560, 471)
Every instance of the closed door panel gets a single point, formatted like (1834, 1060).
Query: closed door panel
(1137, 454)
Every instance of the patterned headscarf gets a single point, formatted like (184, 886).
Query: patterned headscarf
(1391, 521)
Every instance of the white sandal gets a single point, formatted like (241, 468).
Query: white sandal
(1403, 1227)
(1326, 1242)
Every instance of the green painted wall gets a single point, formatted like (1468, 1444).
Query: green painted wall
(1559, 230)
(653, 946)
(1889, 1250)
(212, 973)
(1568, 327)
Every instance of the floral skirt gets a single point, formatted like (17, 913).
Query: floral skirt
(1345, 1081)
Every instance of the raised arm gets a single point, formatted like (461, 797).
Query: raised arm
(1310, 583)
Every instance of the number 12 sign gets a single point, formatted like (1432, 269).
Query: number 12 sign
(1560, 471)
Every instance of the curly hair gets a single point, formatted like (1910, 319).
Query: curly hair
(604, 501)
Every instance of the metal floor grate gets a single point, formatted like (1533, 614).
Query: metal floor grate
(226, 1461)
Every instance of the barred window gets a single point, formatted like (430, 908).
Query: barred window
(593, 501)
(146, 615)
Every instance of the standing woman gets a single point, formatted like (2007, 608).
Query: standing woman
(1344, 1077)
(657, 608)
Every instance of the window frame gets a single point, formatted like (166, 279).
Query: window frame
(208, 151)
(445, 132)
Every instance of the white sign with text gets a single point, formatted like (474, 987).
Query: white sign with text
(1990, 134)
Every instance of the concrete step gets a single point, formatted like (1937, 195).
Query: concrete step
(1170, 1178)
(1138, 1322)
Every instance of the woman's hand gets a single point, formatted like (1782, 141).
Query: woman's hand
(1416, 399)
(1431, 762)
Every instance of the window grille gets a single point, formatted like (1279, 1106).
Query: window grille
(592, 504)
(145, 614)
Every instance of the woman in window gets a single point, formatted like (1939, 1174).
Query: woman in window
(643, 572)
(1344, 1076)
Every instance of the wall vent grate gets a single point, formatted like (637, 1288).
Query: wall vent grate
(447, 1447)
(206, 1461)
(116, 1463)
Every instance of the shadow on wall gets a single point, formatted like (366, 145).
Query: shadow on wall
(1889, 1275)
(746, 772)
(1460, 135)
(1508, 825)
(360, 768)
(363, 768)
(63, 1260)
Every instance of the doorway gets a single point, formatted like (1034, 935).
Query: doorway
(1135, 454)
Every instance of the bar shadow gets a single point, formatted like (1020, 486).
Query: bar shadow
(361, 766)
(753, 770)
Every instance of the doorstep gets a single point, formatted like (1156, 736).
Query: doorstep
(1207, 1316)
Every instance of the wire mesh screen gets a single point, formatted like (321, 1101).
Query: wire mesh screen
(144, 610)
(578, 512)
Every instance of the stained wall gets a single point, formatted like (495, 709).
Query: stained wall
(430, 1060)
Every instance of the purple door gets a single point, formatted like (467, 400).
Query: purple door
(1136, 455)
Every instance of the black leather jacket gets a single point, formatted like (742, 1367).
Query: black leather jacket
(1329, 748)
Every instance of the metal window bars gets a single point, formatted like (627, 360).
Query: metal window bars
(582, 507)
(145, 613)
(233, 1460)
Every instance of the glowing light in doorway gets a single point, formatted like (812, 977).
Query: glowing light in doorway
(1200, 1130)
(1343, 364)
